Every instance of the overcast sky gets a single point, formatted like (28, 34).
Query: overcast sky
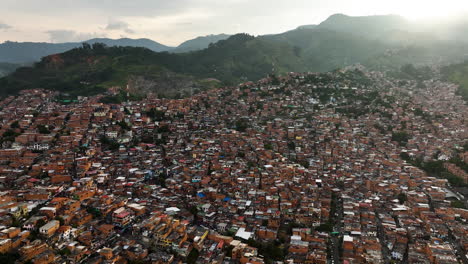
(171, 22)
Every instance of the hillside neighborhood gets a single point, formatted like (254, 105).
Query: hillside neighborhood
(350, 166)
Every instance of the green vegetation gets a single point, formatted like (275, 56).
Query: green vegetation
(43, 129)
(242, 125)
(119, 98)
(9, 258)
(193, 256)
(109, 143)
(460, 163)
(240, 57)
(410, 72)
(402, 198)
(161, 181)
(7, 68)
(9, 136)
(401, 137)
(325, 227)
(325, 50)
(378, 42)
(199, 43)
(64, 252)
(124, 125)
(156, 115)
(15, 124)
(91, 69)
(163, 129)
(272, 251)
(94, 211)
(458, 73)
(87, 70)
(457, 204)
(434, 168)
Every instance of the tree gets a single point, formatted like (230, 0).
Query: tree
(16, 222)
(14, 125)
(458, 204)
(85, 46)
(241, 125)
(274, 79)
(163, 129)
(124, 125)
(109, 143)
(64, 252)
(156, 115)
(99, 46)
(402, 198)
(194, 210)
(60, 219)
(401, 137)
(9, 258)
(40, 223)
(193, 256)
(43, 129)
(291, 145)
(326, 227)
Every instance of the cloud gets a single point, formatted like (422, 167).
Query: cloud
(147, 8)
(119, 25)
(59, 36)
(151, 8)
(4, 26)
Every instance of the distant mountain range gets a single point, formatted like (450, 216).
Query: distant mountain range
(7, 68)
(29, 52)
(379, 42)
(366, 26)
(199, 43)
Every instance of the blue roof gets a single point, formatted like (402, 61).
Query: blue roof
(202, 195)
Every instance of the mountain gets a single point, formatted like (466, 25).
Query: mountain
(376, 32)
(29, 52)
(199, 43)
(127, 42)
(458, 73)
(7, 68)
(323, 49)
(367, 26)
(240, 57)
(380, 42)
(91, 69)
(307, 27)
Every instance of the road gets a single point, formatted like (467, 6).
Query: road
(334, 243)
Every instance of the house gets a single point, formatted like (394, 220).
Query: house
(122, 217)
(49, 228)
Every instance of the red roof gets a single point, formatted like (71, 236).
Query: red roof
(221, 244)
(122, 215)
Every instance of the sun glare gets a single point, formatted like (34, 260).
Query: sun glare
(417, 10)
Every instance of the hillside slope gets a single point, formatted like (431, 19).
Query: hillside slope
(7, 68)
(29, 52)
(458, 73)
(199, 43)
(92, 69)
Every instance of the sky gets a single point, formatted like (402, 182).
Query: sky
(171, 22)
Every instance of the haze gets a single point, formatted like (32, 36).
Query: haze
(172, 22)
